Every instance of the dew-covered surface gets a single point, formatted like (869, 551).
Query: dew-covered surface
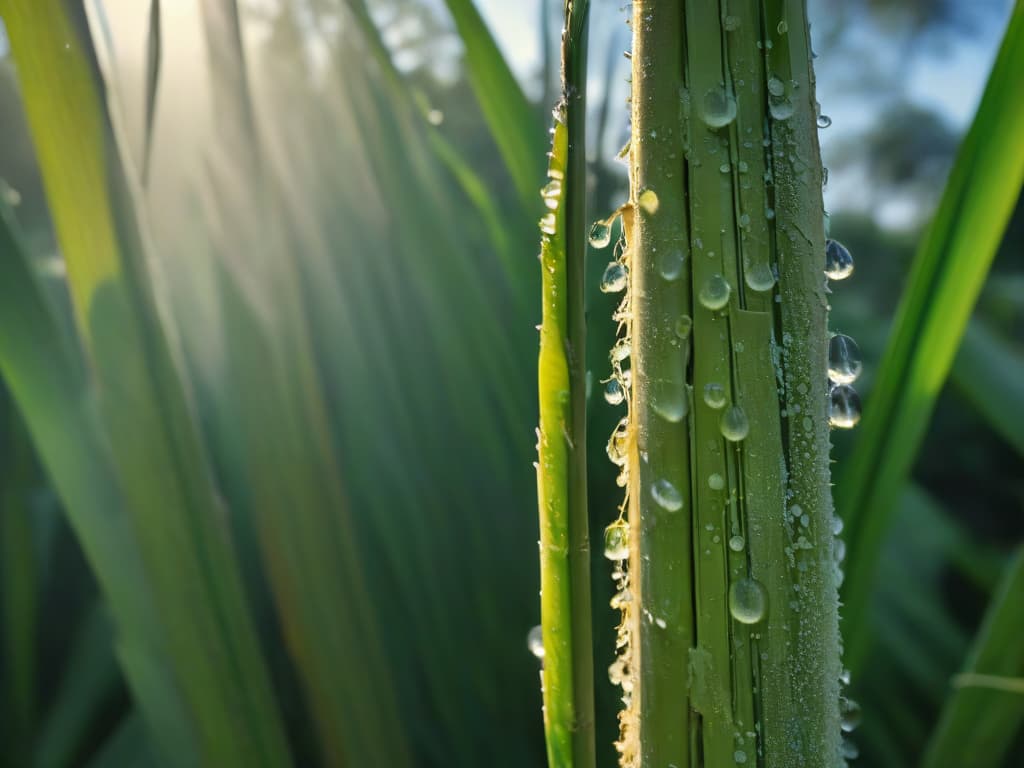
(726, 296)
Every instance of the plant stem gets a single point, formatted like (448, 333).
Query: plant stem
(562, 469)
(733, 647)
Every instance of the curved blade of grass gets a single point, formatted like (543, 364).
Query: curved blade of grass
(154, 43)
(989, 372)
(944, 283)
(160, 463)
(48, 384)
(562, 461)
(986, 709)
(511, 118)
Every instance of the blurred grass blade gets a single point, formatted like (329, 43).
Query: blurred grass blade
(989, 372)
(89, 680)
(562, 439)
(48, 384)
(154, 43)
(944, 283)
(982, 717)
(18, 582)
(127, 747)
(142, 402)
(513, 121)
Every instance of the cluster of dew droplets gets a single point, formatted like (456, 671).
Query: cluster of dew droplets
(615, 279)
(844, 361)
(844, 367)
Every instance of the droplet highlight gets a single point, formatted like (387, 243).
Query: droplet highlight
(843, 407)
(734, 424)
(615, 278)
(748, 601)
(714, 294)
(600, 234)
(535, 641)
(666, 495)
(838, 261)
(714, 395)
(616, 541)
(844, 361)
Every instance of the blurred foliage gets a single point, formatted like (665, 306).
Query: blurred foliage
(423, 357)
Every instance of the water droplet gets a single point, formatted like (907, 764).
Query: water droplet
(747, 600)
(613, 392)
(759, 277)
(666, 495)
(718, 107)
(724, 168)
(547, 223)
(671, 264)
(550, 193)
(614, 278)
(780, 107)
(782, 27)
(648, 201)
(736, 543)
(849, 750)
(824, 121)
(620, 351)
(844, 364)
(776, 87)
(714, 395)
(683, 326)
(435, 117)
(849, 714)
(731, 23)
(734, 424)
(600, 234)
(616, 541)
(844, 677)
(669, 401)
(535, 642)
(618, 443)
(716, 482)
(739, 756)
(714, 294)
(838, 261)
(843, 407)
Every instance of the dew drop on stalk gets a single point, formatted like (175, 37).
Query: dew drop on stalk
(716, 482)
(620, 351)
(669, 401)
(616, 541)
(718, 108)
(844, 364)
(780, 107)
(613, 392)
(849, 714)
(648, 201)
(614, 278)
(714, 395)
(843, 407)
(547, 223)
(670, 265)
(849, 750)
(600, 234)
(776, 87)
(838, 261)
(747, 600)
(550, 193)
(683, 326)
(618, 443)
(666, 495)
(714, 294)
(844, 677)
(824, 121)
(739, 756)
(734, 424)
(759, 277)
(782, 27)
(737, 543)
(535, 642)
